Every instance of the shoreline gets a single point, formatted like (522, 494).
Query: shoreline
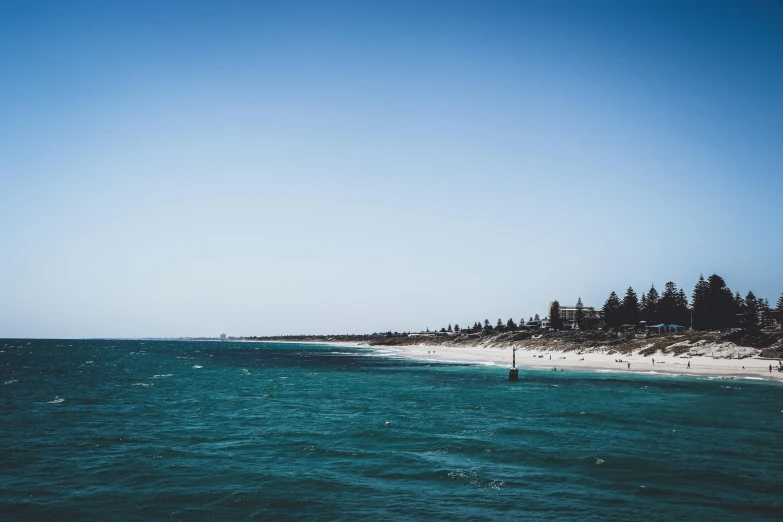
(532, 358)
(537, 358)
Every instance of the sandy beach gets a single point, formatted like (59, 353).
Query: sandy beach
(750, 367)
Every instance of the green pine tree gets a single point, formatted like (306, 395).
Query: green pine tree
(579, 316)
(630, 308)
(720, 304)
(650, 310)
(752, 308)
(611, 311)
(682, 312)
(739, 310)
(555, 321)
(699, 305)
(667, 304)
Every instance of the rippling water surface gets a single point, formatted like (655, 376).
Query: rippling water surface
(129, 430)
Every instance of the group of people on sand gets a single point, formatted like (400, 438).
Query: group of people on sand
(555, 369)
(620, 360)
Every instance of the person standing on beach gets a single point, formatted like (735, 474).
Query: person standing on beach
(629, 366)
(689, 365)
(653, 362)
(770, 368)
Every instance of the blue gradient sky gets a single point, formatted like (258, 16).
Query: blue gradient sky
(192, 168)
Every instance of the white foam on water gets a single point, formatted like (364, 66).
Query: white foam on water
(144, 384)
(196, 366)
(89, 362)
(56, 400)
(497, 484)
(162, 376)
(391, 355)
(754, 378)
(11, 381)
(245, 371)
(385, 352)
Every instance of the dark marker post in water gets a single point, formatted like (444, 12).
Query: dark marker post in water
(513, 372)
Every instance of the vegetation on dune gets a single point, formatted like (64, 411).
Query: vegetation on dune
(753, 338)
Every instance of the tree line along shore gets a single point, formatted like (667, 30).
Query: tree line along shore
(664, 322)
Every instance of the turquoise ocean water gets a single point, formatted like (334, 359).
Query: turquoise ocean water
(133, 430)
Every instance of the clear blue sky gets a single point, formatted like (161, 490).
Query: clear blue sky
(191, 168)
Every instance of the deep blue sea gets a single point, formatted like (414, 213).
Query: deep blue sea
(135, 430)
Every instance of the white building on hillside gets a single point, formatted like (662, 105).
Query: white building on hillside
(568, 313)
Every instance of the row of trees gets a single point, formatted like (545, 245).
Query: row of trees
(486, 326)
(712, 307)
(671, 307)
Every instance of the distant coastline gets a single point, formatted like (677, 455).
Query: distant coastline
(741, 354)
(726, 333)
